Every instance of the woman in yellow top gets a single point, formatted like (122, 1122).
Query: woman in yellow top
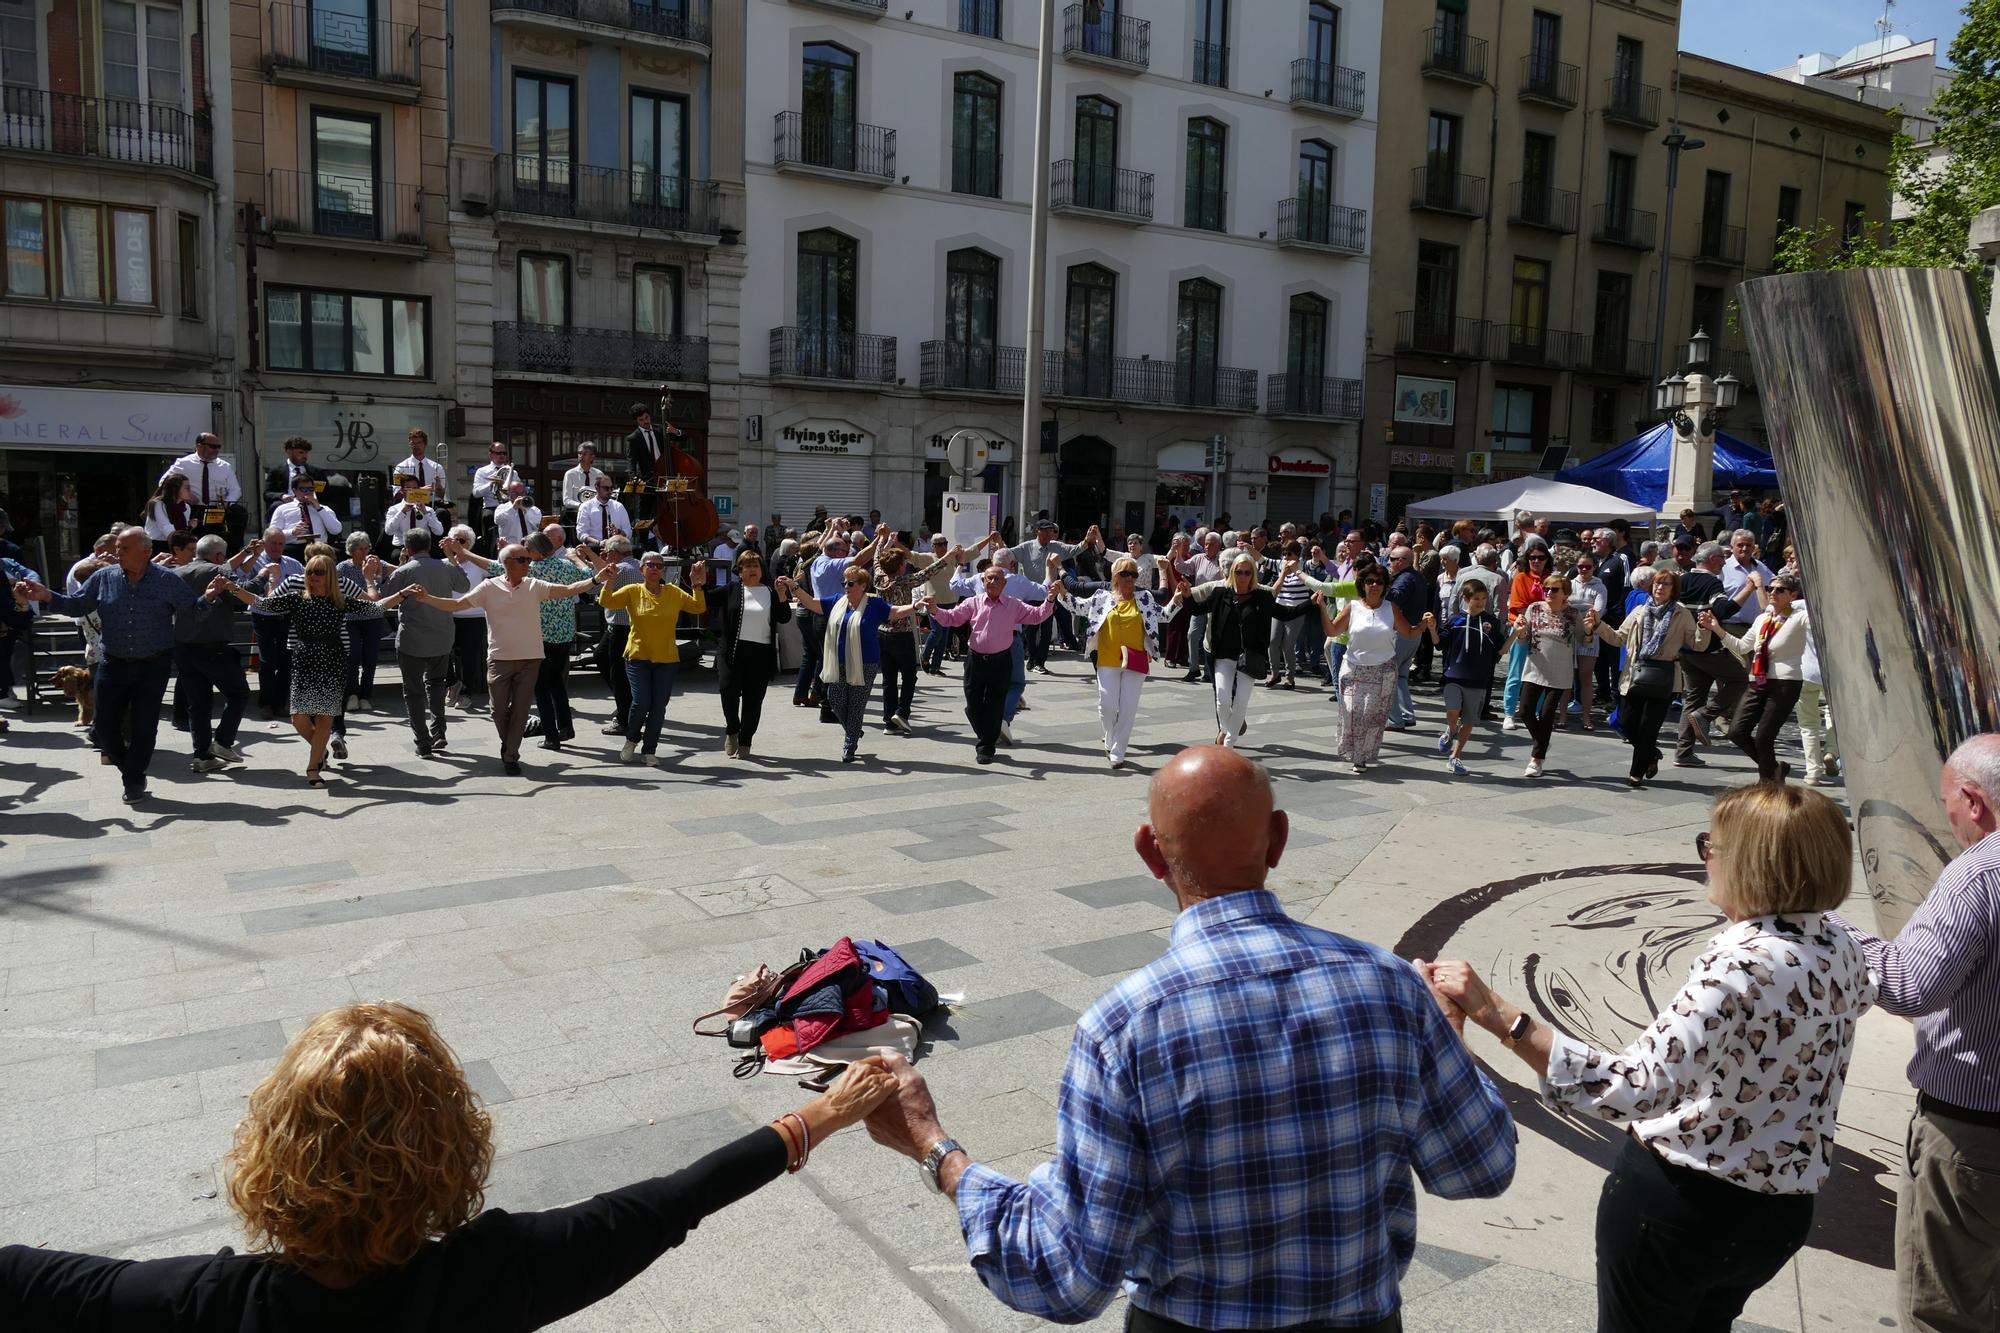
(652, 657)
(1124, 626)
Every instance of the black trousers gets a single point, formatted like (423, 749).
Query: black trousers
(1719, 674)
(274, 664)
(204, 668)
(468, 655)
(1538, 708)
(1680, 1251)
(552, 691)
(1036, 639)
(741, 678)
(611, 659)
(1758, 720)
(899, 674)
(988, 677)
(129, 692)
(1640, 720)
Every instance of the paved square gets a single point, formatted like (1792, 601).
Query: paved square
(565, 928)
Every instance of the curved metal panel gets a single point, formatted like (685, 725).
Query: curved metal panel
(1884, 412)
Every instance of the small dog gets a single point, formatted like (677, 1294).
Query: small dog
(75, 682)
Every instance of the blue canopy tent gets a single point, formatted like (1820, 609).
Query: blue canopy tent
(1637, 469)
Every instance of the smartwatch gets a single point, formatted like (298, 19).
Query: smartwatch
(1517, 1030)
(928, 1168)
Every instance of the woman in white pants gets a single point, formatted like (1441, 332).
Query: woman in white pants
(1122, 636)
(1368, 671)
(1240, 611)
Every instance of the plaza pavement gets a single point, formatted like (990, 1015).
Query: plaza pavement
(564, 929)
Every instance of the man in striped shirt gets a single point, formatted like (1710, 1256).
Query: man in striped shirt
(1943, 970)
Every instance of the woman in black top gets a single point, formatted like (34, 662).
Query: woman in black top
(1240, 611)
(371, 1093)
(745, 663)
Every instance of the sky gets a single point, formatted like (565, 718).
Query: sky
(1770, 34)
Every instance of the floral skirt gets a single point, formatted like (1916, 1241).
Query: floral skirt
(1365, 695)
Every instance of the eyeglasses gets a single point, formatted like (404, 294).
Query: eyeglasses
(1705, 847)
(1126, 574)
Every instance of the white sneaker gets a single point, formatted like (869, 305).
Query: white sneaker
(1360, 767)
(1455, 767)
(339, 747)
(1508, 723)
(451, 696)
(1534, 769)
(650, 760)
(629, 753)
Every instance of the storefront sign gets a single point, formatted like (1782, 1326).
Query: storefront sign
(1378, 503)
(38, 418)
(839, 438)
(370, 436)
(997, 449)
(1299, 464)
(969, 516)
(725, 505)
(1426, 402)
(1479, 463)
(1420, 458)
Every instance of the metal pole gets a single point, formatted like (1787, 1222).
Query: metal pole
(1675, 138)
(1038, 247)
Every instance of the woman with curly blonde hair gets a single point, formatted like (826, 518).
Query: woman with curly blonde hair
(360, 1171)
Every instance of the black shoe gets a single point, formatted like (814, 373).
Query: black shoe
(827, 715)
(423, 751)
(1652, 770)
(984, 756)
(551, 743)
(437, 744)
(510, 767)
(1690, 761)
(568, 734)
(134, 795)
(1192, 675)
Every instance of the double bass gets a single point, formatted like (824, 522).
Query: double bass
(683, 516)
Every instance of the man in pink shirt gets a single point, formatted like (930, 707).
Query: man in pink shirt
(994, 617)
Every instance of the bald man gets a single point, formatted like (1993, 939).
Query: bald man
(1943, 970)
(1240, 1121)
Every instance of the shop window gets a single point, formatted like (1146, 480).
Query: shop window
(101, 255)
(346, 333)
(27, 225)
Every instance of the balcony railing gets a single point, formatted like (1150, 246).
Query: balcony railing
(1529, 345)
(1440, 335)
(1732, 357)
(1628, 357)
(979, 18)
(346, 208)
(1630, 102)
(1315, 83)
(320, 41)
(975, 171)
(680, 22)
(1536, 205)
(805, 353)
(146, 134)
(1098, 35)
(943, 364)
(1548, 80)
(552, 188)
(1719, 245)
(1313, 396)
(1450, 54)
(1317, 223)
(821, 143)
(610, 354)
(1211, 64)
(1448, 192)
(1106, 191)
(1630, 227)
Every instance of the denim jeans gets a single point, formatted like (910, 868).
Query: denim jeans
(1037, 637)
(130, 691)
(1336, 653)
(652, 685)
(934, 645)
(1403, 712)
(811, 629)
(1510, 695)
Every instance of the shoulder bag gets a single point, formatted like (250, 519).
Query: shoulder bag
(1652, 679)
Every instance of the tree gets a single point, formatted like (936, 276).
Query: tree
(1943, 198)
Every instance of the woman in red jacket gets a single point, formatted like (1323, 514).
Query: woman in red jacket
(1529, 576)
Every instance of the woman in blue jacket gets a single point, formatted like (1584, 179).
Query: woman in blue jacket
(851, 650)
(1471, 643)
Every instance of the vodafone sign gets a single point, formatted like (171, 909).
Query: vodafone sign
(1298, 464)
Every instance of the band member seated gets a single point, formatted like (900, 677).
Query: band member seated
(411, 512)
(517, 518)
(303, 519)
(212, 485)
(602, 516)
(489, 485)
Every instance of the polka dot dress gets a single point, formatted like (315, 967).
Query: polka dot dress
(319, 651)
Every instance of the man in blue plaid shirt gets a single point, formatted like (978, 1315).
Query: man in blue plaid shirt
(1240, 1120)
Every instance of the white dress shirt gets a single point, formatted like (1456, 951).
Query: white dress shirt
(208, 483)
(1734, 575)
(580, 483)
(428, 471)
(403, 516)
(592, 517)
(489, 484)
(322, 520)
(517, 523)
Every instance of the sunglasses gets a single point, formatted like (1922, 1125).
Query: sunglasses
(857, 583)
(1705, 847)
(1127, 574)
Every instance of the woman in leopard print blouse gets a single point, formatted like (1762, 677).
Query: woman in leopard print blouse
(1730, 1097)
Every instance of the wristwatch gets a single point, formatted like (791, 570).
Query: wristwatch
(928, 1168)
(1517, 1030)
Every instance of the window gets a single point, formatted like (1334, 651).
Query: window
(1096, 184)
(1538, 178)
(27, 224)
(344, 168)
(980, 18)
(1604, 415)
(346, 333)
(543, 140)
(188, 236)
(1707, 315)
(972, 318)
(1788, 209)
(1611, 322)
(1305, 354)
(1206, 140)
(1714, 212)
(544, 290)
(339, 37)
(1853, 223)
(828, 261)
(101, 255)
(1519, 412)
(1628, 67)
(1322, 38)
(142, 61)
(1088, 330)
(829, 94)
(1528, 312)
(1211, 43)
(1197, 341)
(656, 302)
(1437, 283)
(975, 135)
(19, 67)
(1448, 35)
(659, 160)
(1544, 51)
(1621, 175)
(1315, 197)
(1441, 161)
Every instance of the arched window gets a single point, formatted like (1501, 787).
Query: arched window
(1198, 340)
(829, 93)
(1315, 197)
(1096, 183)
(975, 134)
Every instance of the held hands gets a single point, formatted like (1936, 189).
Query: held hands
(1453, 983)
(908, 1121)
(865, 1086)
(1705, 619)
(1055, 563)
(32, 590)
(1428, 622)
(697, 573)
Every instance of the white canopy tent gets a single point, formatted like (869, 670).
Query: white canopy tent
(1557, 500)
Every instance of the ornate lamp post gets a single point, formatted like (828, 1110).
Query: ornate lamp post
(1693, 403)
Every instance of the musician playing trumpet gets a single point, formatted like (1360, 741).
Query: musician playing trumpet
(490, 483)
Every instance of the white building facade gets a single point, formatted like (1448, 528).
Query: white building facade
(1206, 272)
(1893, 73)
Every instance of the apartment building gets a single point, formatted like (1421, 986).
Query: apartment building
(113, 342)
(596, 188)
(344, 291)
(1207, 264)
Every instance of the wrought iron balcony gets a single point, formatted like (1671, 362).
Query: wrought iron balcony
(1313, 396)
(1630, 227)
(828, 146)
(1106, 192)
(1531, 345)
(972, 367)
(312, 47)
(1536, 205)
(979, 18)
(1225, 388)
(1318, 225)
(1549, 81)
(1450, 54)
(1211, 64)
(1630, 102)
(105, 129)
(1627, 357)
(1098, 36)
(680, 24)
(325, 207)
(1321, 86)
(1440, 335)
(1732, 357)
(1719, 245)
(801, 352)
(1448, 192)
(577, 197)
(608, 354)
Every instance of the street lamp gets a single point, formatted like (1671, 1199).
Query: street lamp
(1692, 403)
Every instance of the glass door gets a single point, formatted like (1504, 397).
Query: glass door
(826, 305)
(1096, 184)
(544, 181)
(659, 161)
(827, 106)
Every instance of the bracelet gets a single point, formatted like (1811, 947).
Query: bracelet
(792, 1162)
(805, 1153)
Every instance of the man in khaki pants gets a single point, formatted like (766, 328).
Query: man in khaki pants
(1943, 970)
(513, 607)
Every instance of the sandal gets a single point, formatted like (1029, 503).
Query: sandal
(313, 779)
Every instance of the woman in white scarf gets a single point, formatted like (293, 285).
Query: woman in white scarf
(851, 652)
(1122, 637)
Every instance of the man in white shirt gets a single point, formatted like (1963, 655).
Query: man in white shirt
(406, 514)
(579, 484)
(1744, 577)
(601, 516)
(516, 519)
(212, 481)
(490, 483)
(428, 472)
(465, 678)
(303, 519)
